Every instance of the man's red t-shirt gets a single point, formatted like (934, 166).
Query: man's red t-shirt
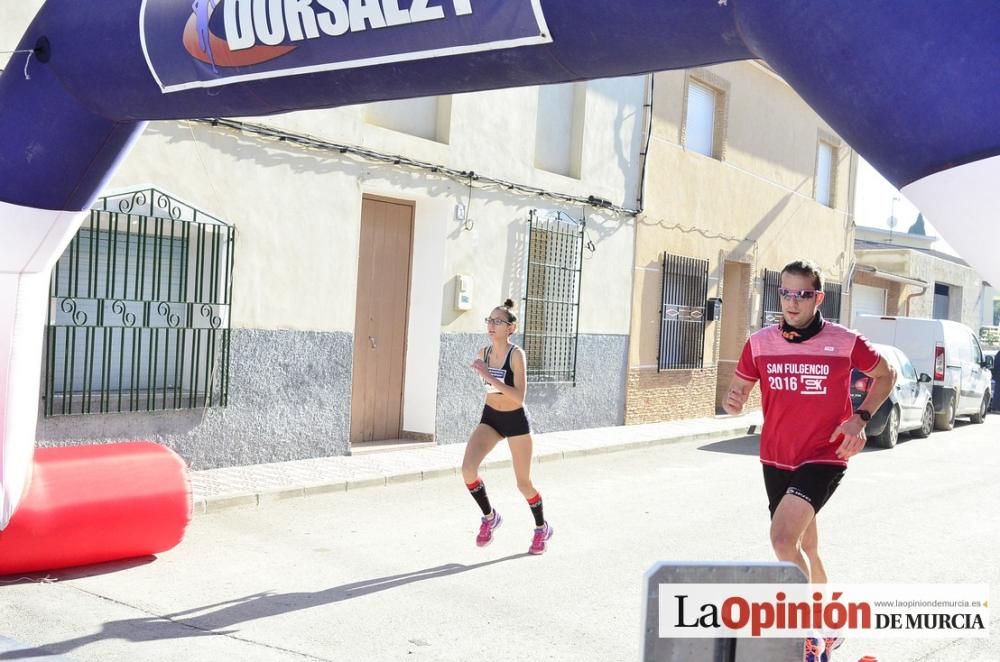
(805, 389)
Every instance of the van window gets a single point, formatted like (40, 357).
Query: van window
(962, 348)
(977, 351)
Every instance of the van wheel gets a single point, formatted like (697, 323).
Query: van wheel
(946, 419)
(890, 434)
(926, 422)
(980, 415)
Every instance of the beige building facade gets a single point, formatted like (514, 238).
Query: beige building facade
(902, 274)
(742, 177)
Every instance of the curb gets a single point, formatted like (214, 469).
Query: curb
(257, 500)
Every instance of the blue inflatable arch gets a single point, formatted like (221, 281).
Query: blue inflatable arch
(914, 87)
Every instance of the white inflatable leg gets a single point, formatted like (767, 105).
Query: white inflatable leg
(963, 203)
(31, 241)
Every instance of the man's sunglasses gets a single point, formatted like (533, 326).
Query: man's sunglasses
(797, 295)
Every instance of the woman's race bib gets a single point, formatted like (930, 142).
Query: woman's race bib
(498, 373)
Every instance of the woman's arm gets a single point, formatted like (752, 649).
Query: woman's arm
(518, 367)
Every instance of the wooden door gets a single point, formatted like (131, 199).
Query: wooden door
(735, 314)
(381, 319)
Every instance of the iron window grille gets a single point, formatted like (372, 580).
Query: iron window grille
(139, 313)
(682, 313)
(552, 298)
(772, 303)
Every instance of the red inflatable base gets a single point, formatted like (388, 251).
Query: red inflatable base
(91, 504)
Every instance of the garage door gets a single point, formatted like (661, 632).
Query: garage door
(868, 300)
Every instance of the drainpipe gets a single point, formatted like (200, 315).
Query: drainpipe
(852, 193)
(647, 124)
(915, 294)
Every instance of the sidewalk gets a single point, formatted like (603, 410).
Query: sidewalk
(257, 485)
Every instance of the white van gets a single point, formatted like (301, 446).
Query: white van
(947, 351)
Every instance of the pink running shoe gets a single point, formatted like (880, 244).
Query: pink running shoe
(486, 528)
(542, 534)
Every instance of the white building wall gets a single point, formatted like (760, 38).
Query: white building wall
(297, 217)
(492, 133)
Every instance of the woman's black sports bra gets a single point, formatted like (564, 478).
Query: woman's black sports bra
(505, 374)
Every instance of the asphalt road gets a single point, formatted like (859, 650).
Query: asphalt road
(392, 573)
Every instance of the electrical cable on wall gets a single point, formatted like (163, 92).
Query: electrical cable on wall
(468, 178)
(462, 176)
(644, 154)
(689, 228)
(589, 245)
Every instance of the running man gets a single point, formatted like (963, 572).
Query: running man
(810, 432)
(503, 369)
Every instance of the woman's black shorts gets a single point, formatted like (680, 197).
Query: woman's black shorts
(813, 482)
(507, 423)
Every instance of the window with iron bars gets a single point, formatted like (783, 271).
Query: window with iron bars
(771, 309)
(831, 302)
(139, 314)
(682, 313)
(771, 303)
(551, 312)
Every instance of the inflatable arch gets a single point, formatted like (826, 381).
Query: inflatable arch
(914, 87)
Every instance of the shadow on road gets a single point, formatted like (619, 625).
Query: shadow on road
(81, 572)
(907, 437)
(212, 620)
(747, 445)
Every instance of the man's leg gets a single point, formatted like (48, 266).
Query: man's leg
(810, 546)
(791, 519)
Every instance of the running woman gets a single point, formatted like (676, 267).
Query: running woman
(503, 369)
(810, 431)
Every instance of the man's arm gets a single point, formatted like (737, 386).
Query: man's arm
(853, 429)
(736, 397)
(884, 376)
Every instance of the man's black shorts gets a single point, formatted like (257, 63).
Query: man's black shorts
(813, 482)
